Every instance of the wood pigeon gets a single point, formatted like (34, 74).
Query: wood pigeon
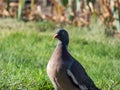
(64, 71)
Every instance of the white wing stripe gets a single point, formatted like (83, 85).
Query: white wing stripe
(72, 76)
(82, 87)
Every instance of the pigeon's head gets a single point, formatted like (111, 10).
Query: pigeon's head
(63, 36)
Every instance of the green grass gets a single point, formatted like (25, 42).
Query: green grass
(25, 49)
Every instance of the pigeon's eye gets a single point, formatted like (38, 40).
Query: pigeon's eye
(63, 33)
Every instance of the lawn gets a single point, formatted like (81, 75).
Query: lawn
(25, 49)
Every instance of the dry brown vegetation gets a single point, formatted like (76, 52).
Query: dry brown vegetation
(77, 12)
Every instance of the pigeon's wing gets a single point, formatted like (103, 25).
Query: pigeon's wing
(79, 76)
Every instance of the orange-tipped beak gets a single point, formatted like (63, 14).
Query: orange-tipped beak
(55, 36)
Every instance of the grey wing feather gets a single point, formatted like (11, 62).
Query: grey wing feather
(80, 77)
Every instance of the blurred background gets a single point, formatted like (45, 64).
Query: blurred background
(77, 12)
(26, 44)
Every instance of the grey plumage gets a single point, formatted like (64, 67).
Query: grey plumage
(64, 71)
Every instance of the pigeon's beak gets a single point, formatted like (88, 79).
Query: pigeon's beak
(55, 36)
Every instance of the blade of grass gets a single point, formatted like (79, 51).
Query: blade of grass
(20, 8)
(8, 5)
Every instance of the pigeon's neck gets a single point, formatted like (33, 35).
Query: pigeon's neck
(64, 53)
(62, 45)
